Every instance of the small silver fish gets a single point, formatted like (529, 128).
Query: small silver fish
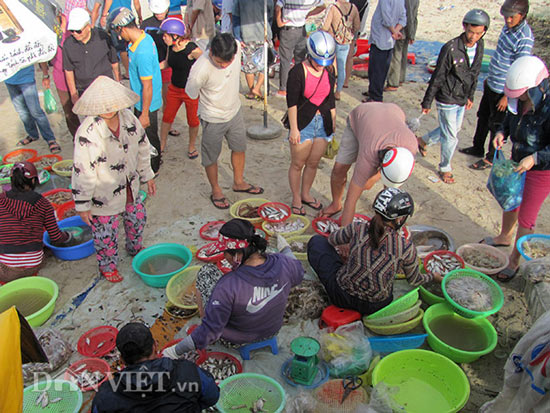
(258, 406)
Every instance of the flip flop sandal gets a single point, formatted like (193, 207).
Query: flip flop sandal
(446, 177)
(218, 201)
(301, 210)
(174, 132)
(316, 205)
(491, 241)
(507, 275)
(253, 190)
(193, 154)
(481, 165)
(250, 96)
(25, 141)
(323, 214)
(54, 147)
(112, 276)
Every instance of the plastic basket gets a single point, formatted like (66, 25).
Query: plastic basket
(29, 154)
(391, 344)
(181, 284)
(209, 258)
(253, 202)
(199, 353)
(392, 329)
(224, 266)
(246, 389)
(356, 218)
(90, 364)
(65, 210)
(396, 306)
(329, 396)
(302, 256)
(70, 394)
(56, 205)
(488, 250)
(218, 355)
(57, 167)
(36, 161)
(396, 318)
(441, 253)
(531, 237)
(93, 347)
(290, 233)
(207, 226)
(285, 209)
(318, 220)
(496, 293)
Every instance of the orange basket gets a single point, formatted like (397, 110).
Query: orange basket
(30, 155)
(98, 341)
(443, 254)
(91, 365)
(56, 205)
(56, 158)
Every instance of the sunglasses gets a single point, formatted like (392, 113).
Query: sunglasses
(76, 31)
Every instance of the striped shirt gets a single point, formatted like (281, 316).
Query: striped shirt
(512, 44)
(369, 273)
(294, 12)
(25, 259)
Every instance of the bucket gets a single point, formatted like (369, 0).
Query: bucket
(76, 252)
(161, 280)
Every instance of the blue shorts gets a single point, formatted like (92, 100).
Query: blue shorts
(315, 129)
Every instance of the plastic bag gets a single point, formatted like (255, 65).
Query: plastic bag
(414, 123)
(346, 351)
(504, 183)
(49, 102)
(536, 270)
(56, 348)
(332, 149)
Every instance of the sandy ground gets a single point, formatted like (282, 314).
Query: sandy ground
(466, 209)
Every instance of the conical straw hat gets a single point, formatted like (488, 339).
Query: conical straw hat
(104, 95)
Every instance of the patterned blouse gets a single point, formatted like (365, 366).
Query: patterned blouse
(369, 273)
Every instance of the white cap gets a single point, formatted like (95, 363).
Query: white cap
(159, 6)
(78, 18)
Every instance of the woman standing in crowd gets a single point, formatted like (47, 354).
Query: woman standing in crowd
(312, 117)
(182, 54)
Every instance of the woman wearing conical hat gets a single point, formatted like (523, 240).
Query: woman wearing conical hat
(111, 158)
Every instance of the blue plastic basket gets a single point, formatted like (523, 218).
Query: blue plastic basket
(76, 252)
(519, 245)
(399, 342)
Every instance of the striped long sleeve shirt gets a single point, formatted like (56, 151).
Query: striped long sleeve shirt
(512, 44)
(369, 273)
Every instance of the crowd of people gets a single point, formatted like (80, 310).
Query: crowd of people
(173, 60)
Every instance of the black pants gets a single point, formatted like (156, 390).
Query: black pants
(379, 65)
(152, 132)
(326, 262)
(489, 119)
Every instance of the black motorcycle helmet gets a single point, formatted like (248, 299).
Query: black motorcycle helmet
(393, 203)
(477, 17)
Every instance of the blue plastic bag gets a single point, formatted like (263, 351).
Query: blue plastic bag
(504, 183)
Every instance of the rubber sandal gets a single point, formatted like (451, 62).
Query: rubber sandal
(481, 165)
(446, 177)
(507, 275)
(390, 89)
(422, 147)
(250, 96)
(472, 151)
(25, 141)
(491, 241)
(112, 276)
(253, 190)
(54, 147)
(316, 205)
(301, 210)
(174, 132)
(193, 154)
(217, 202)
(323, 214)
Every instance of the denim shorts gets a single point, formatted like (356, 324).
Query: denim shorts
(315, 129)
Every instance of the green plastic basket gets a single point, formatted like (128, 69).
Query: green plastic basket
(496, 293)
(397, 306)
(245, 389)
(70, 394)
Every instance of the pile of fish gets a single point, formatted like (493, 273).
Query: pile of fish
(470, 293)
(85, 378)
(257, 407)
(248, 211)
(179, 312)
(65, 168)
(359, 219)
(442, 264)
(191, 356)
(189, 299)
(5, 172)
(60, 197)
(213, 231)
(536, 249)
(306, 301)
(44, 400)
(208, 251)
(297, 246)
(19, 158)
(327, 226)
(45, 162)
(481, 259)
(219, 368)
(275, 214)
(289, 225)
(71, 212)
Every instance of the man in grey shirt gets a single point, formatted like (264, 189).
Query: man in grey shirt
(388, 19)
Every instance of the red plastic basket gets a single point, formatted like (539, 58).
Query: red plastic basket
(208, 226)
(209, 258)
(220, 356)
(356, 217)
(201, 353)
(63, 209)
(224, 266)
(30, 155)
(103, 334)
(47, 194)
(277, 205)
(323, 219)
(57, 158)
(441, 253)
(90, 364)
(363, 47)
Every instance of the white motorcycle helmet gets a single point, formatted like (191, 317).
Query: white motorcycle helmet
(397, 166)
(525, 73)
(159, 6)
(321, 47)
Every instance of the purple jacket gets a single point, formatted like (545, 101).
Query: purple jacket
(248, 304)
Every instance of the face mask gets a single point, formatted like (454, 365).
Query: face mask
(237, 261)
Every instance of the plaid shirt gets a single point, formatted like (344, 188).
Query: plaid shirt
(369, 273)
(73, 4)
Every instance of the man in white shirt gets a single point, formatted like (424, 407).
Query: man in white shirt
(215, 78)
(291, 18)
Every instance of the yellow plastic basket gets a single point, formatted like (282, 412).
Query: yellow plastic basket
(302, 256)
(256, 202)
(291, 233)
(395, 328)
(181, 284)
(59, 166)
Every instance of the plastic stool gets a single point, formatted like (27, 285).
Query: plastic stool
(411, 58)
(270, 342)
(335, 317)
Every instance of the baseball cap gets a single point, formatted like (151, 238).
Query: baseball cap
(78, 18)
(134, 341)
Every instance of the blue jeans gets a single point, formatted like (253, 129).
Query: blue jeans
(25, 101)
(341, 57)
(450, 122)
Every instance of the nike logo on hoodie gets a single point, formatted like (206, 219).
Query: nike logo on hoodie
(262, 296)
